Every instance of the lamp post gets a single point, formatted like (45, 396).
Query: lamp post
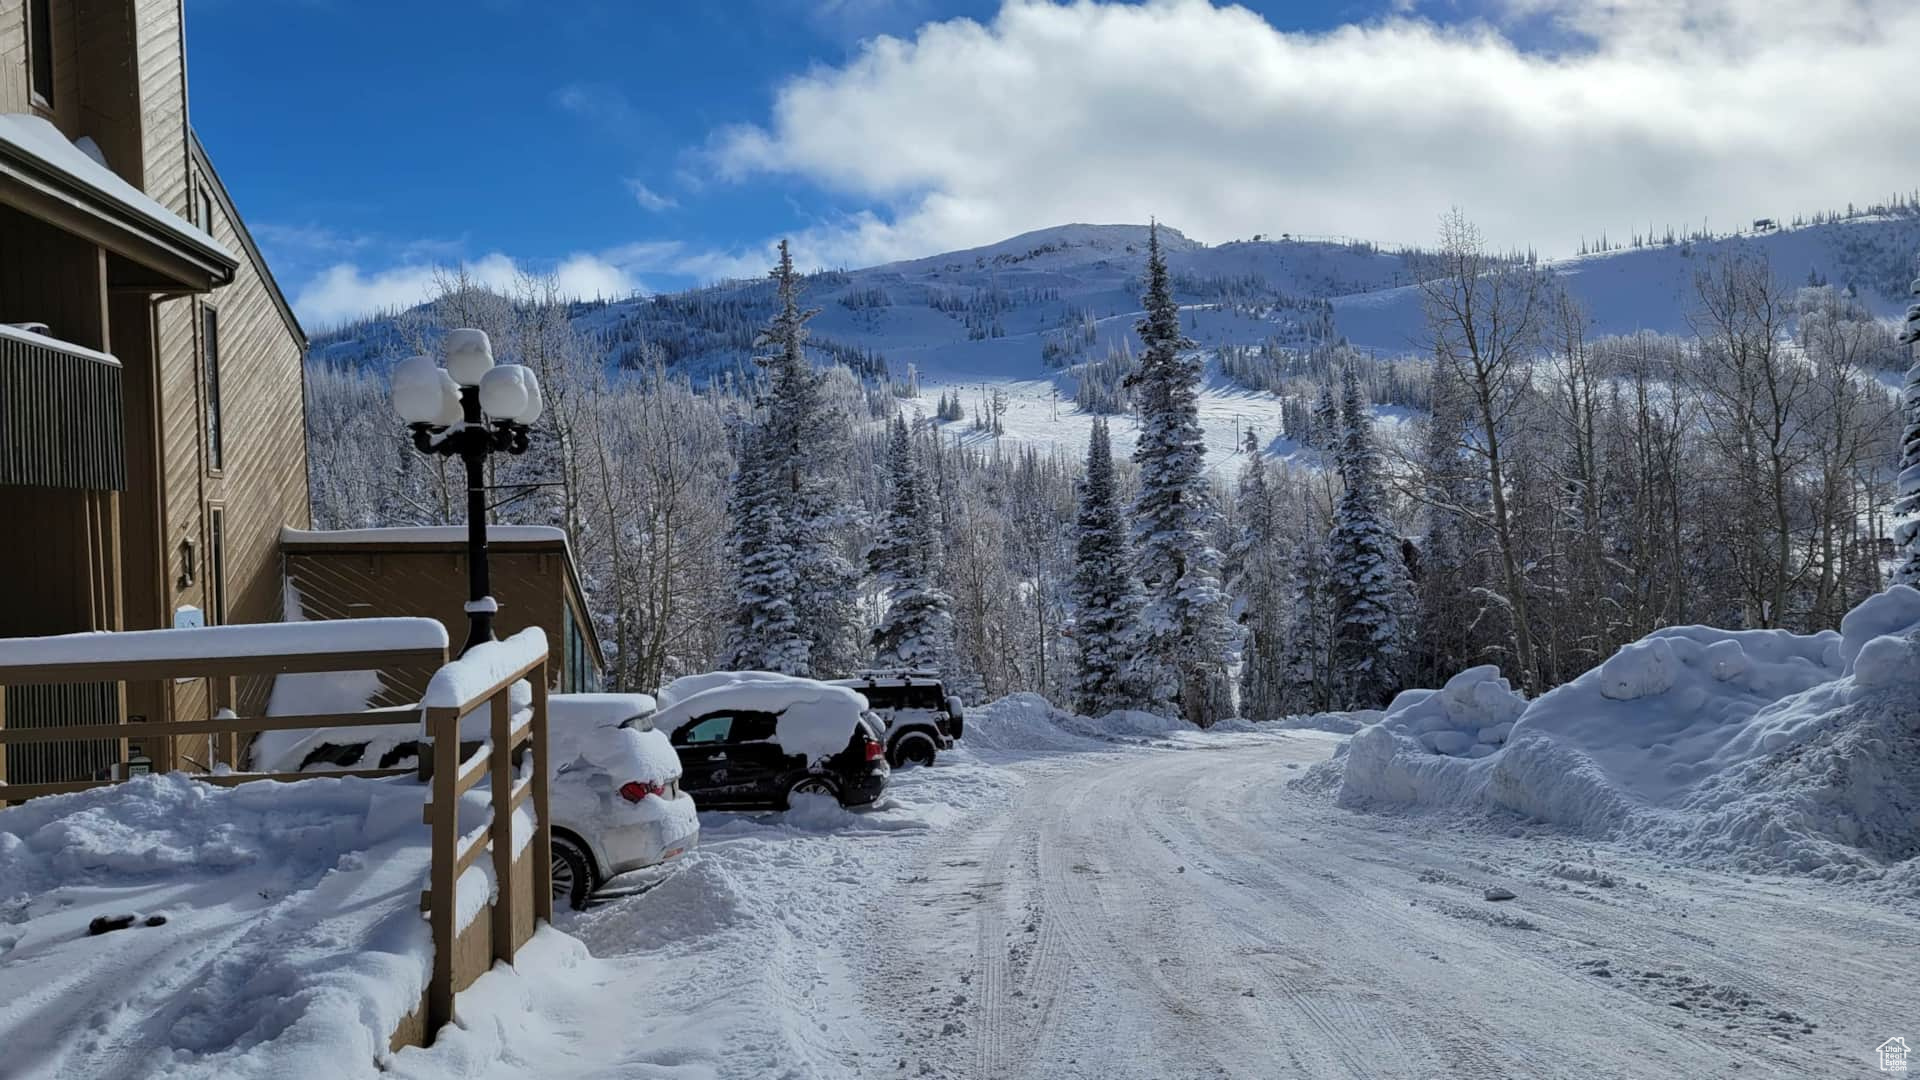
(470, 409)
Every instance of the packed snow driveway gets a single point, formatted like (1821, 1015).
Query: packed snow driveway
(1185, 914)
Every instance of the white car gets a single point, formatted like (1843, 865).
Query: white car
(616, 799)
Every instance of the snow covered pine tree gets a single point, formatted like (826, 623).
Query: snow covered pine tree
(784, 484)
(1258, 582)
(1906, 535)
(1187, 635)
(1366, 574)
(1106, 604)
(766, 635)
(917, 630)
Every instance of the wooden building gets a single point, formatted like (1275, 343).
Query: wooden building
(423, 572)
(151, 413)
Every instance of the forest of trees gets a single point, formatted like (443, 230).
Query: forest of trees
(1562, 495)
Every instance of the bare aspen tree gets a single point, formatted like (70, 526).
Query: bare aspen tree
(1755, 398)
(1485, 316)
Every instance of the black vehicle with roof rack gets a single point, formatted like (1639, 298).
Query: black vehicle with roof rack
(922, 718)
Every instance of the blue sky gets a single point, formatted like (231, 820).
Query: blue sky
(654, 145)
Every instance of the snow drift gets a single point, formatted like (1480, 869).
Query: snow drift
(1027, 721)
(290, 927)
(1759, 749)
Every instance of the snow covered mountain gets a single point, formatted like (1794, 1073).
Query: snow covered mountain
(1018, 325)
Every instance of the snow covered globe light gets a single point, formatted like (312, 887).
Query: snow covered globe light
(469, 355)
(469, 409)
(503, 391)
(536, 404)
(417, 393)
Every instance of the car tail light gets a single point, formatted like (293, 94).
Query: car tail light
(634, 791)
(875, 751)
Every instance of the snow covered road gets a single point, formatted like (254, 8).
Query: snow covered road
(1184, 914)
(1061, 907)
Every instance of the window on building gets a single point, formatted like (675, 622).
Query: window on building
(40, 31)
(574, 657)
(206, 209)
(210, 348)
(217, 564)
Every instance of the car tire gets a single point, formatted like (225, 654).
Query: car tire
(812, 785)
(574, 877)
(913, 748)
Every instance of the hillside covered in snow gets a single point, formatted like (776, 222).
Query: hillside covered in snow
(1030, 328)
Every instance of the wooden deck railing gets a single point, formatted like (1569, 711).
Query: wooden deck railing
(229, 728)
(523, 888)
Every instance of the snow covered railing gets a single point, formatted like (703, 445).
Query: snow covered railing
(222, 654)
(488, 675)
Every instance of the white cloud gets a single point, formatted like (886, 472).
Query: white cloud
(590, 277)
(1646, 112)
(650, 199)
(344, 291)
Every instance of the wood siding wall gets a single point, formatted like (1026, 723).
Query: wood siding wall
(120, 78)
(261, 484)
(53, 277)
(530, 580)
(13, 56)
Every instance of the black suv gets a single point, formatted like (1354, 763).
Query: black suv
(920, 715)
(729, 759)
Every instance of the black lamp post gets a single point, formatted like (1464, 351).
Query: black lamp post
(470, 409)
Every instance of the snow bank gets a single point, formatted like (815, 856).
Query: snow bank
(1469, 717)
(1757, 748)
(1339, 723)
(1027, 721)
(291, 929)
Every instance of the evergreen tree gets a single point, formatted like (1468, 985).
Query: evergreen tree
(1906, 535)
(766, 634)
(1106, 604)
(1306, 665)
(1187, 634)
(917, 631)
(796, 449)
(1323, 432)
(1257, 582)
(1366, 574)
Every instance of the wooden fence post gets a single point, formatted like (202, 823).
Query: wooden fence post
(500, 829)
(445, 814)
(543, 830)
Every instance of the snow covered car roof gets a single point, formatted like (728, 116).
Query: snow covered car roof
(621, 752)
(603, 709)
(816, 719)
(688, 685)
(891, 678)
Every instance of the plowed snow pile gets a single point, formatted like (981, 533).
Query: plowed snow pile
(1027, 721)
(1757, 749)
